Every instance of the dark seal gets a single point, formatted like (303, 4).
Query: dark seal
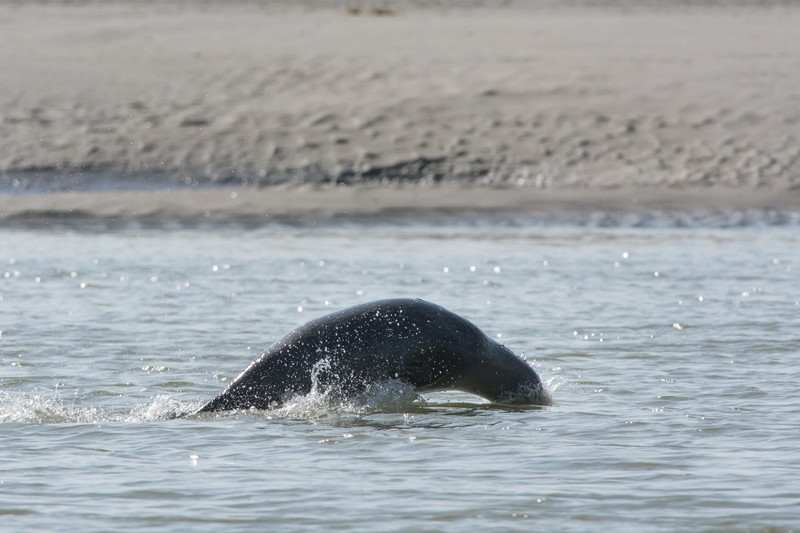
(415, 341)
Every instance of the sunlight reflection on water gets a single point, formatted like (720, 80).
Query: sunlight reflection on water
(105, 336)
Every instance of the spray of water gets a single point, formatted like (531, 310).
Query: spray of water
(327, 399)
(50, 407)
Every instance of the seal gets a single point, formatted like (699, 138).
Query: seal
(411, 340)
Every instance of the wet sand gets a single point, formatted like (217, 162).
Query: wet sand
(519, 107)
(324, 204)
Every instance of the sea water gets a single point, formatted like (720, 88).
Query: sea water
(671, 352)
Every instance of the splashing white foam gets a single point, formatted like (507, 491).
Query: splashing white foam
(51, 408)
(43, 408)
(162, 407)
(389, 396)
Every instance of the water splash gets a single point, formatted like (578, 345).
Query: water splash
(392, 396)
(51, 408)
(326, 400)
(39, 408)
(162, 407)
(551, 385)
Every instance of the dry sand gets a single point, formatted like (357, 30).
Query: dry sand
(578, 107)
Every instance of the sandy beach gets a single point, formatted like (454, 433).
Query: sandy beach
(525, 106)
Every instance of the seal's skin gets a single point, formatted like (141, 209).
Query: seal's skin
(411, 340)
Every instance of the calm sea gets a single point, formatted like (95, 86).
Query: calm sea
(671, 351)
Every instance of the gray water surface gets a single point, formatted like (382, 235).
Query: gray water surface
(671, 354)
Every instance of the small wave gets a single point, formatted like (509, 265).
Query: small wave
(92, 221)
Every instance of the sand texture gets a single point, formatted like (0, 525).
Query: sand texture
(115, 94)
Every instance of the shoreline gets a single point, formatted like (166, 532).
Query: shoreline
(310, 205)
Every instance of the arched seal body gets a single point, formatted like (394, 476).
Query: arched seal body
(411, 340)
